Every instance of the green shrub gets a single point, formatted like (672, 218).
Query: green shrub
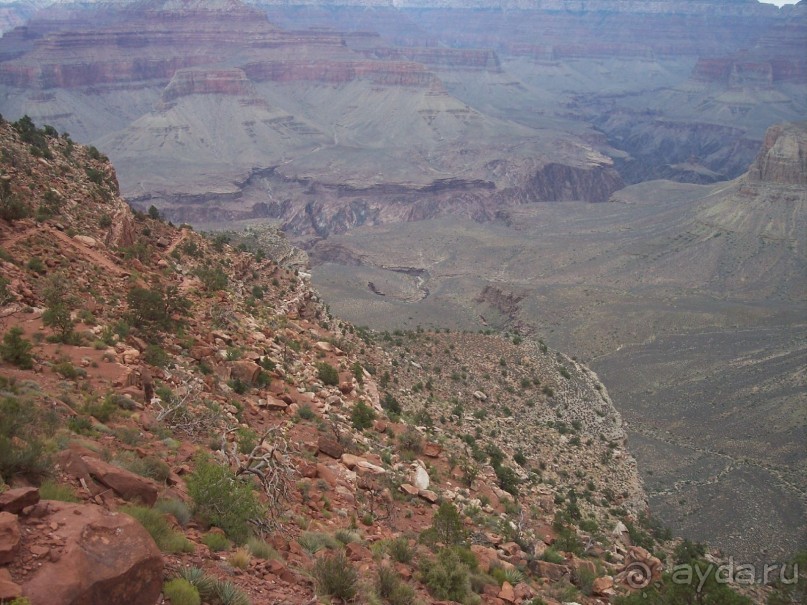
(176, 508)
(411, 441)
(50, 490)
(16, 350)
(240, 558)
(36, 265)
(502, 575)
(22, 452)
(327, 374)
(156, 356)
(222, 499)
(155, 523)
(347, 536)
(313, 541)
(213, 278)
(227, 593)
(12, 208)
(551, 555)
(67, 370)
(305, 412)
(447, 526)
(197, 578)
(362, 416)
(400, 550)
(216, 541)
(181, 592)
(261, 549)
(391, 405)
(392, 589)
(100, 410)
(358, 372)
(508, 479)
(156, 307)
(447, 577)
(335, 576)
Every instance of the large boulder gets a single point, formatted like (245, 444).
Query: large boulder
(106, 558)
(9, 537)
(419, 477)
(14, 500)
(8, 588)
(126, 484)
(246, 371)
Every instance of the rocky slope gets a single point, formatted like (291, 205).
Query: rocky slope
(686, 299)
(141, 361)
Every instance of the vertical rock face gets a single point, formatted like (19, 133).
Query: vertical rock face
(783, 158)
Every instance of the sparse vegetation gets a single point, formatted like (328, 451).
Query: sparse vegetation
(16, 350)
(327, 374)
(223, 500)
(154, 521)
(335, 576)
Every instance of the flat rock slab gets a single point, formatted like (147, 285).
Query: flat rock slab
(107, 558)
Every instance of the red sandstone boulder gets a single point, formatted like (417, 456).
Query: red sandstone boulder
(8, 589)
(126, 484)
(330, 447)
(9, 537)
(246, 371)
(14, 500)
(106, 558)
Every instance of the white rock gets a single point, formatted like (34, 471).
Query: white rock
(420, 478)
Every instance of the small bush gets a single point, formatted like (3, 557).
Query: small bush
(447, 577)
(50, 490)
(400, 550)
(36, 265)
(335, 576)
(212, 278)
(327, 374)
(313, 541)
(240, 559)
(227, 593)
(22, 452)
(551, 555)
(447, 525)
(261, 549)
(362, 416)
(181, 592)
(223, 500)
(411, 441)
(216, 541)
(67, 370)
(155, 355)
(16, 350)
(392, 589)
(347, 536)
(197, 578)
(100, 410)
(305, 412)
(155, 523)
(176, 508)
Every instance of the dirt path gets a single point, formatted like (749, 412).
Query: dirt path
(84, 250)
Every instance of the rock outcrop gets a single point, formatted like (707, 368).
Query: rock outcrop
(102, 558)
(783, 157)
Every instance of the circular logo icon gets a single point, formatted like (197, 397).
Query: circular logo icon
(637, 575)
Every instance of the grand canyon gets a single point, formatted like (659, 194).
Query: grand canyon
(624, 181)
